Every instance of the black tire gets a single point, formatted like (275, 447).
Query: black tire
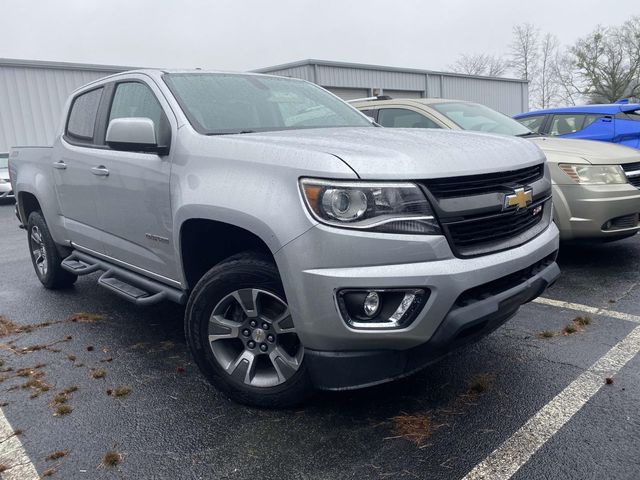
(52, 276)
(247, 270)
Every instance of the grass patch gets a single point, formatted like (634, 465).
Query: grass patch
(7, 327)
(416, 427)
(111, 458)
(98, 373)
(84, 317)
(570, 329)
(71, 389)
(60, 398)
(71, 357)
(49, 472)
(546, 334)
(121, 391)
(583, 321)
(57, 454)
(479, 384)
(63, 409)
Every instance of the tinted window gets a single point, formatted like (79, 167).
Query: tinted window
(370, 113)
(218, 104)
(82, 118)
(565, 124)
(533, 123)
(138, 101)
(402, 118)
(589, 119)
(473, 116)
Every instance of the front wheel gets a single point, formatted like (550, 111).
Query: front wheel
(242, 336)
(45, 256)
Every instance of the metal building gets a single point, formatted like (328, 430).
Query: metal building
(33, 93)
(354, 80)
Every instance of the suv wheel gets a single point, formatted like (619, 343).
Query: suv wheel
(240, 331)
(45, 256)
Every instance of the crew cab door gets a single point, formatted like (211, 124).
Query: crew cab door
(74, 181)
(134, 194)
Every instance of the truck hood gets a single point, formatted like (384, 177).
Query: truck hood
(393, 153)
(560, 150)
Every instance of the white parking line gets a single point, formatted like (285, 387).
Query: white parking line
(587, 309)
(509, 457)
(13, 456)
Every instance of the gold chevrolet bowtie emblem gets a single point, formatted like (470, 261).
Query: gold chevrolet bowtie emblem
(519, 198)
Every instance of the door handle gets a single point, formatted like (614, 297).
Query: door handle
(60, 165)
(100, 171)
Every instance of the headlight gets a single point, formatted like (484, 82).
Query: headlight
(379, 207)
(594, 174)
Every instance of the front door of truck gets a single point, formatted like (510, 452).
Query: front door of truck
(71, 164)
(134, 198)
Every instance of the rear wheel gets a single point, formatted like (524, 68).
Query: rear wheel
(240, 331)
(45, 256)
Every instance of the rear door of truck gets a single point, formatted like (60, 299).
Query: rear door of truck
(74, 170)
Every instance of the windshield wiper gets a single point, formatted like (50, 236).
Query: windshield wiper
(529, 134)
(231, 133)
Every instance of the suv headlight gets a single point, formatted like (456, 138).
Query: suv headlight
(396, 207)
(594, 174)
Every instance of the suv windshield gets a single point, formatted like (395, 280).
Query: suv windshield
(218, 104)
(473, 116)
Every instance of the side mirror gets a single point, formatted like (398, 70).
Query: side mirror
(134, 135)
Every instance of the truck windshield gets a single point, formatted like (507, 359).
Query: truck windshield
(473, 116)
(4, 162)
(218, 104)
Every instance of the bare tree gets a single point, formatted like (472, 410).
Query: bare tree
(564, 71)
(480, 64)
(524, 50)
(547, 81)
(608, 62)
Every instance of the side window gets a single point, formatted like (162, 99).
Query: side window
(533, 123)
(134, 99)
(589, 119)
(371, 112)
(565, 124)
(82, 116)
(402, 118)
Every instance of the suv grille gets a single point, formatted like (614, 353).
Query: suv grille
(633, 167)
(478, 184)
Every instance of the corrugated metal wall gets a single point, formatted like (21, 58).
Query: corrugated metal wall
(508, 96)
(31, 101)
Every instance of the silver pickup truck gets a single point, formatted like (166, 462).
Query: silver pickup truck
(312, 248)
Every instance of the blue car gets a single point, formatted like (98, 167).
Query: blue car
(617, 123)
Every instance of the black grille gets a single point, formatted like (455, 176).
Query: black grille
(489, 182)
(495, 228)
(503, 284)
(633, 167)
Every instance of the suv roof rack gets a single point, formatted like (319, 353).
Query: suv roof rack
(367, 99)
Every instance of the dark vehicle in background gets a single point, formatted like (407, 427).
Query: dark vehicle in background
(616, 123)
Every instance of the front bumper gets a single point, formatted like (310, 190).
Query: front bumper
(462, 325)
(582, 211)
(324, 260)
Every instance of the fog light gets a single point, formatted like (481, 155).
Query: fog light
(371, 304)
(382, 307)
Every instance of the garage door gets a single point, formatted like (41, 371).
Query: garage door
(349, 93)
(402, 93)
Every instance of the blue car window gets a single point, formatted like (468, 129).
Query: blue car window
(533, 123)
(566, 124)
(589, 119)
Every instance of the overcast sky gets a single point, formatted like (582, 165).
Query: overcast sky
(248, 34)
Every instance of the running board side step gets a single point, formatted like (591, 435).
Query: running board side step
(129, 285)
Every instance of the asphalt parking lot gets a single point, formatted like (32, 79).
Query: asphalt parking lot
(530, 401)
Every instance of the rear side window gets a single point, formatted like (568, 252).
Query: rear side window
(82, 116)
(402, 118)
(565, 124)
(533, 123)
(371, 113)
(134, 99)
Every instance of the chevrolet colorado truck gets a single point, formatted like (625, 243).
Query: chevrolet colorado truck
(313, 249)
